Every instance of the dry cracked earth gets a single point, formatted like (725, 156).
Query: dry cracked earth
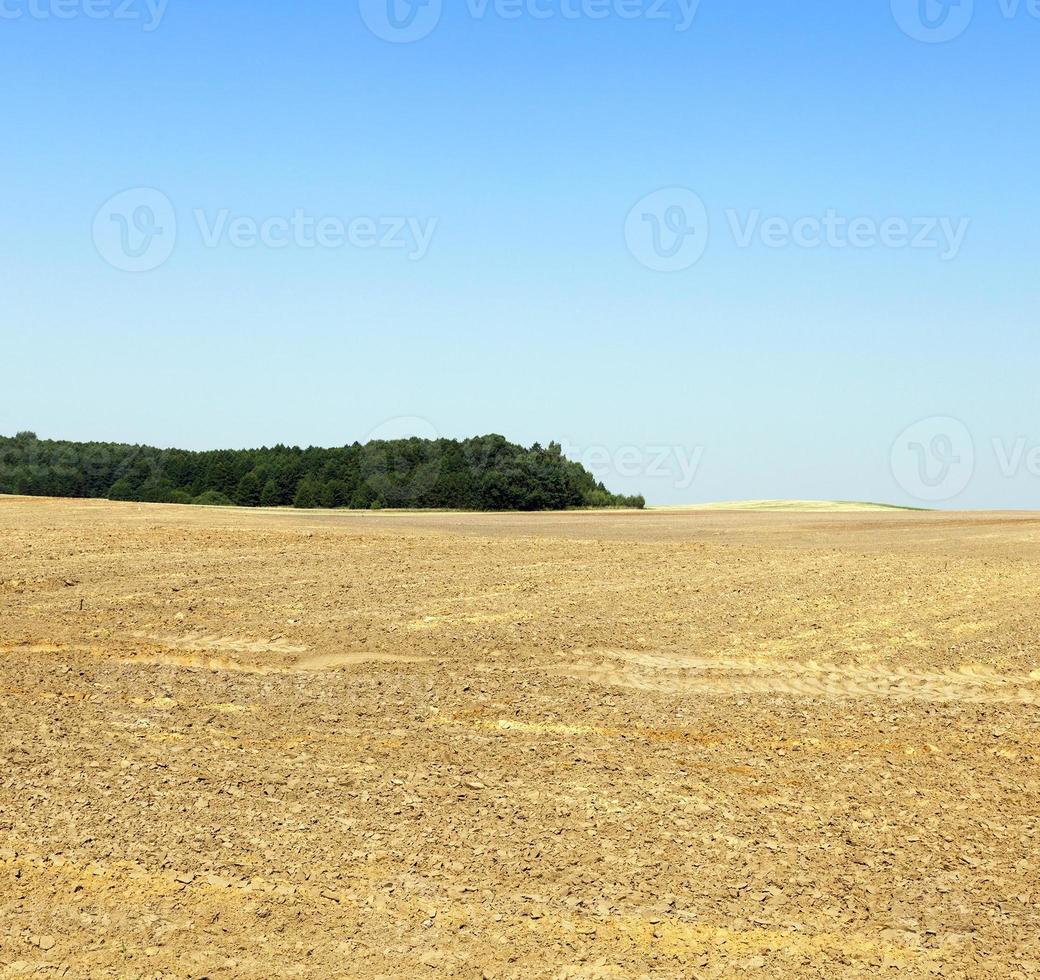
(265, 744)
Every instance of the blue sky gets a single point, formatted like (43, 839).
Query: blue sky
(521, 145)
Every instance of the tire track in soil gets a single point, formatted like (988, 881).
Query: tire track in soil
(723, 676)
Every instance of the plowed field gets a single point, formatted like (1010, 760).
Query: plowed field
(707, 744)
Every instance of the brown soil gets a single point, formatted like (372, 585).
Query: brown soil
(260, 744)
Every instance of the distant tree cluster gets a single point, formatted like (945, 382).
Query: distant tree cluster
(483, 473)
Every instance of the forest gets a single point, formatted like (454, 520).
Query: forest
(480, 473)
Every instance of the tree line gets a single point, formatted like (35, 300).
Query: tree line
(482, 473)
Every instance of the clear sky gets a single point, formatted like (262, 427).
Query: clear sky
(493, 254)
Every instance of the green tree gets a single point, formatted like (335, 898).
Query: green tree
(485, 472)
(213, 498)
(270, 495)
(249, 490)
(307, 493)
(333, 494)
